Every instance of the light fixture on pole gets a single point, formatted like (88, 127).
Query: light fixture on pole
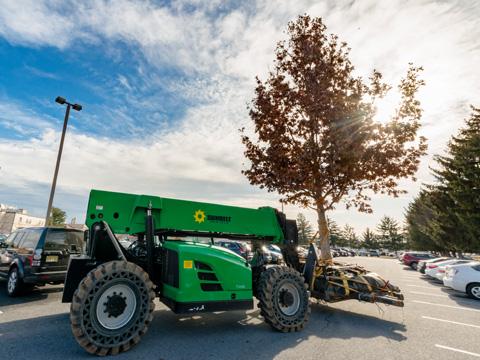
(76, 107)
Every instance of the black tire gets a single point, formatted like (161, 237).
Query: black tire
(275, 283)
(15, 284)
(473, 290)
(414, 265)
(135, 308)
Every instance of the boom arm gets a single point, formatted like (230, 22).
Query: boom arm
(125, 214)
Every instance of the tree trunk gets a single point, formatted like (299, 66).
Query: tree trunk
(324, 235)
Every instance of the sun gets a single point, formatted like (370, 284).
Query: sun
(199, 216)
(386, 107)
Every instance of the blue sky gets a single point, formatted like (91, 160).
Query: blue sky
(92, 76)
(165, 85)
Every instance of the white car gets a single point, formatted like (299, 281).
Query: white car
(437, 270)
(464, 278)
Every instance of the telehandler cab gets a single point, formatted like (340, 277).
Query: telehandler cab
(112, 288)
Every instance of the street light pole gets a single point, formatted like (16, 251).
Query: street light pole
(77, 107)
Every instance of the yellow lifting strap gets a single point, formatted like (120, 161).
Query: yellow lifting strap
(345, 283)
(365, 281)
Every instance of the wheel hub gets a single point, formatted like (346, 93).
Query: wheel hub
(476, 291)
(115, 305)
(12, 281)
(286, 298)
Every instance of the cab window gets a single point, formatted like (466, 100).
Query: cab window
(59, 239)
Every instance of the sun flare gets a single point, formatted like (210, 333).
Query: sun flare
(386, 107)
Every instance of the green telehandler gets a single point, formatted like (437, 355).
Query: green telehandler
(112, 287)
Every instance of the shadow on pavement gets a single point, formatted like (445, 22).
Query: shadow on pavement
(36, 294)
(462, 299)
(227, 335)
(345, 324)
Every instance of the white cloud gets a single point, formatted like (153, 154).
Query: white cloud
(20, 120)
(35, 23)
(221, 52)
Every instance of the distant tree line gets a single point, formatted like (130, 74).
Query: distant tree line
(445, 216)
(388, 234)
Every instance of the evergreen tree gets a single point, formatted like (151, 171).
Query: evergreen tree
(369, 239)
(349, 237)
(458, 181)
(446, 215)
(305, 231)
(336, 236)
(388, 234)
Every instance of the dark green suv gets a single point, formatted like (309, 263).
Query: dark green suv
(38, 256)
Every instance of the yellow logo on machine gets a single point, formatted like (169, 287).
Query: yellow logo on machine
(199, 216)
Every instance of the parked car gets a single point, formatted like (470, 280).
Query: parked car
(362, 252)
(237, 247)
(276, 253)
(37, 256)
(3, 238)
(374, 253)
(422, 264)
(342, 251)
(302, 253)
(347, 252)
(437, 270)
(464, 278)
(412, 258)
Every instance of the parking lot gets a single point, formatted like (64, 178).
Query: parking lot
(436, 323)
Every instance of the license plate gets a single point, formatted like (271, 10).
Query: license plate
(51, 258)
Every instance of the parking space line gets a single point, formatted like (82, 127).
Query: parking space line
(451, 322)
(423, 287)
(429, 294)
(457, 350)
(448, 306)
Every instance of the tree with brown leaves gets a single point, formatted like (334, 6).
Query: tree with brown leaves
(316, 140)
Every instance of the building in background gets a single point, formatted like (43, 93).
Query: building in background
(12, 219)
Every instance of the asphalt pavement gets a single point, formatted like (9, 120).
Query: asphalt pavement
(436, 323)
